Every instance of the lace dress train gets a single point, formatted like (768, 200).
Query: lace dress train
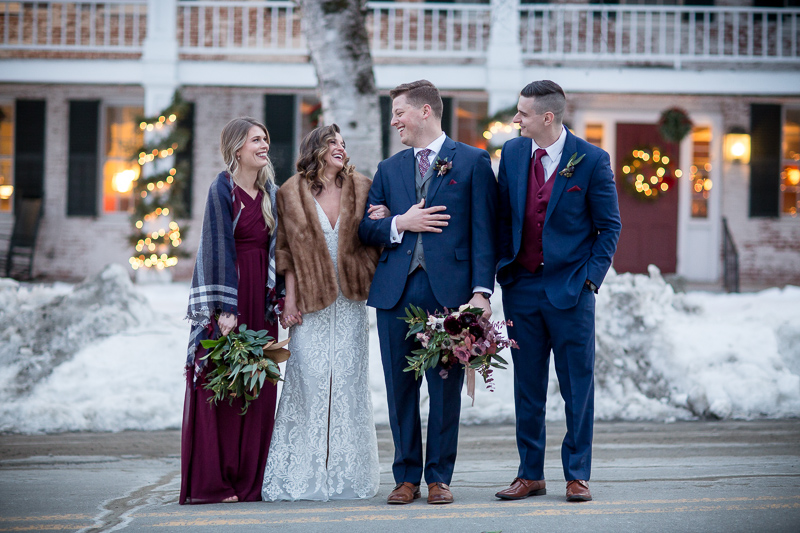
(324, 445)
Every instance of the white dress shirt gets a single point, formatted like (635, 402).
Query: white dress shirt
(554, 151)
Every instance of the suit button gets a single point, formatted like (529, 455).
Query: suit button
(408, 252)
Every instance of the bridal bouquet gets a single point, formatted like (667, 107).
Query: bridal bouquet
(243, 361)
(459, 337)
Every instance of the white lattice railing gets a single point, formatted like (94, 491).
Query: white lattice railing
(659, 34)
(88, 26)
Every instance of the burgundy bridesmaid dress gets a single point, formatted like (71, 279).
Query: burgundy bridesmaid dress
(223, 452)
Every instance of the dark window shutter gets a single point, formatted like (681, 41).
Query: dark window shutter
(84, 124)
(29, 128)
(385, 104)
(765, 153)
(279, 117)
(186, 158)
(447, 116)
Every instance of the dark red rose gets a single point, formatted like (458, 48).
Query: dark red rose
(476, 331)
(468, 319)
(452, 325)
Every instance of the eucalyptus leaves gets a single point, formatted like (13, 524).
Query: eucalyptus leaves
(242, 362)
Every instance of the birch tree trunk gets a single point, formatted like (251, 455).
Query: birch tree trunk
(336, 34)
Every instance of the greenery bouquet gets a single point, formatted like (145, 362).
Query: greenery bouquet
(242, 362)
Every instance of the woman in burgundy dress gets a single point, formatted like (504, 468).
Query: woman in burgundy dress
(223, 453)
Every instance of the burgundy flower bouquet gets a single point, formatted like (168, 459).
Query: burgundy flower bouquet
(459, 337)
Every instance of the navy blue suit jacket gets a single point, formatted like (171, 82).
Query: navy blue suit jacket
(581, 226)
(462, 255)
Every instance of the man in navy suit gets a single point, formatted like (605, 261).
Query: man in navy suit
(438, 253)
(558, 228)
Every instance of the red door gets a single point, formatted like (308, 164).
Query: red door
(649, 225)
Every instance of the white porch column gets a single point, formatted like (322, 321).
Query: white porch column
(504, 60)
(160, 55)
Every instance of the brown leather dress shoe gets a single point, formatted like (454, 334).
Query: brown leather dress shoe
(439, 493)
(522, 488)
(404, 493)
(578, 491)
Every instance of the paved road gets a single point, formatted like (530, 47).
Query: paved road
(688, 476)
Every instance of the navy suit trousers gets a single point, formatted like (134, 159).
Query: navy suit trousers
(402, 390)
(538, 327)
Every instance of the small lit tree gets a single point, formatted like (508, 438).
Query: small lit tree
(159, 190)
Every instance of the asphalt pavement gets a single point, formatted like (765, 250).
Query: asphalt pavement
(732, 476)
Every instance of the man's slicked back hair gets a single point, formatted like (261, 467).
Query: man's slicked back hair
(548, 96)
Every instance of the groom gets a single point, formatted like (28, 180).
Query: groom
(438, 252)
(558, 227)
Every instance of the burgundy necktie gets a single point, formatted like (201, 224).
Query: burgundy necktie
(424, 164)
(537, 168)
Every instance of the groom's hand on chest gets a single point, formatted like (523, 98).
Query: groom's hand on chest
(420, 219)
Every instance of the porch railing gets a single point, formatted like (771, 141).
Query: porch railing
(214, 27)
(730, 260)
(429, 29)
(68, 25)
(672, 35)
(562, 33)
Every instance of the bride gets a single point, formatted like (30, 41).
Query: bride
(324, 445)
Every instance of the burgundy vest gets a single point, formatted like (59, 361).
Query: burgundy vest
(530, 251)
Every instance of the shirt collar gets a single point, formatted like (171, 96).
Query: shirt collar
(435, 146)
(555, 149)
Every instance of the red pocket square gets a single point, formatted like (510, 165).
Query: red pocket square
(574, 189)
(452, 182)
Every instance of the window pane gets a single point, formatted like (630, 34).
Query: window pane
(790, 189)
(122, 137)
(594, 134)
(791, 135)
(700, 171)
(6, 157)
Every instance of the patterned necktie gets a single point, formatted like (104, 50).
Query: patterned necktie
(538, 168)
(424, 164)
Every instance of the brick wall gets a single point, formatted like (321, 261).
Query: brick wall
(70, 248)
(769, 248)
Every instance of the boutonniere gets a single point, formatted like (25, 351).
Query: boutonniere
(571, 164)
(441, 166)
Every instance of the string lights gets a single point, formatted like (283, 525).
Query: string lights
(158, 191)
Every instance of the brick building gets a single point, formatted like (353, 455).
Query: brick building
(75, 75)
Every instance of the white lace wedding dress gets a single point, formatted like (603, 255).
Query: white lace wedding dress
(324, 445)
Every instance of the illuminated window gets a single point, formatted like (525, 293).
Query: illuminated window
(700, 171)
(122, 137)
(594, 134)
(790, 167)
(6, 157)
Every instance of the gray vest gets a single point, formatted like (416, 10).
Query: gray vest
(421, 188)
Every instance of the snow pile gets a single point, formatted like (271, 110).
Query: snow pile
(69, 354)
(660, 356)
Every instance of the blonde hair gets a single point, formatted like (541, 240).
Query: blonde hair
(311, 161)
(233, 137)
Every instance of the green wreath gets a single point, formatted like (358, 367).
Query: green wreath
(648, 174)
(674, 125)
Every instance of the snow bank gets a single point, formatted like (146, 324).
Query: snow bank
(106, 355)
